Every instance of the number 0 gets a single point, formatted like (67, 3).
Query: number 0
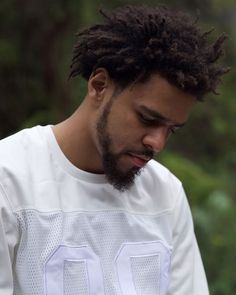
(54, 269)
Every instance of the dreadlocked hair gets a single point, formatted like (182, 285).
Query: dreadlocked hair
(134, 42)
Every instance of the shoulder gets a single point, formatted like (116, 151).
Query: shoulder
(23, 162)
(22, 141)
(25, 136)
(160, 188)
(155, 175)
(17, 150)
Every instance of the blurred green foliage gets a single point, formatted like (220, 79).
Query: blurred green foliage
(213, 208)
(36, 40)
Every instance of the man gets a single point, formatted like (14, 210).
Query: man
(84, 208)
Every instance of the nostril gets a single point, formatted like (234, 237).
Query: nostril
(156, 140)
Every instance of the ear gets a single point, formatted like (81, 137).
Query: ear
(98, 83)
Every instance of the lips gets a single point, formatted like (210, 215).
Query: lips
(139, 160)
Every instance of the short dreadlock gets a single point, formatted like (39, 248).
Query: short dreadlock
(134, 42)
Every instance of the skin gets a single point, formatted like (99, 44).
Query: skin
(141, 117)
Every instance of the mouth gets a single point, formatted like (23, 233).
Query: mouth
(139, 160)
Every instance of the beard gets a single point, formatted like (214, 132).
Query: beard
(120, 180)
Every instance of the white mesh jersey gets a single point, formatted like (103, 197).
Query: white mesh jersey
(64, 231)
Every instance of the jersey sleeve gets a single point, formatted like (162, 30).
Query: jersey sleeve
(187, 275)
(8, 240)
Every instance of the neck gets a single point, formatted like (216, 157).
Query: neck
(74, 138)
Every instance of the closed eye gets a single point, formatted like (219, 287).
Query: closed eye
(148, 121)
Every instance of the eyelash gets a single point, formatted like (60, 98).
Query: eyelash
(173, 130)
(147, 121)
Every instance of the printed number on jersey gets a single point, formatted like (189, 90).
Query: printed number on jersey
(141, 268)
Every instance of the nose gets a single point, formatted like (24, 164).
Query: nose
(156, 138)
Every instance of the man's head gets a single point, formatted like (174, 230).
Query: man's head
(145, 68)
(134, 42)
(132, 125)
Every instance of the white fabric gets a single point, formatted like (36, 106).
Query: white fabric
(59, 226)
(135, 276)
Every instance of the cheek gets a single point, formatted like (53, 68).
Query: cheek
(125, 132)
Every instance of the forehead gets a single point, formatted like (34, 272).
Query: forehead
(159, 95)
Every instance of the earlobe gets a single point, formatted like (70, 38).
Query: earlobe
(97, 84)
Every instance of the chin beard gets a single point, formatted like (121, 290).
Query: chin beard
(120, 180)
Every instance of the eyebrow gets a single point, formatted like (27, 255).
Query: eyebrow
(158, 116)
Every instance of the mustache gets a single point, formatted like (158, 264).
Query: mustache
(147, 152)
